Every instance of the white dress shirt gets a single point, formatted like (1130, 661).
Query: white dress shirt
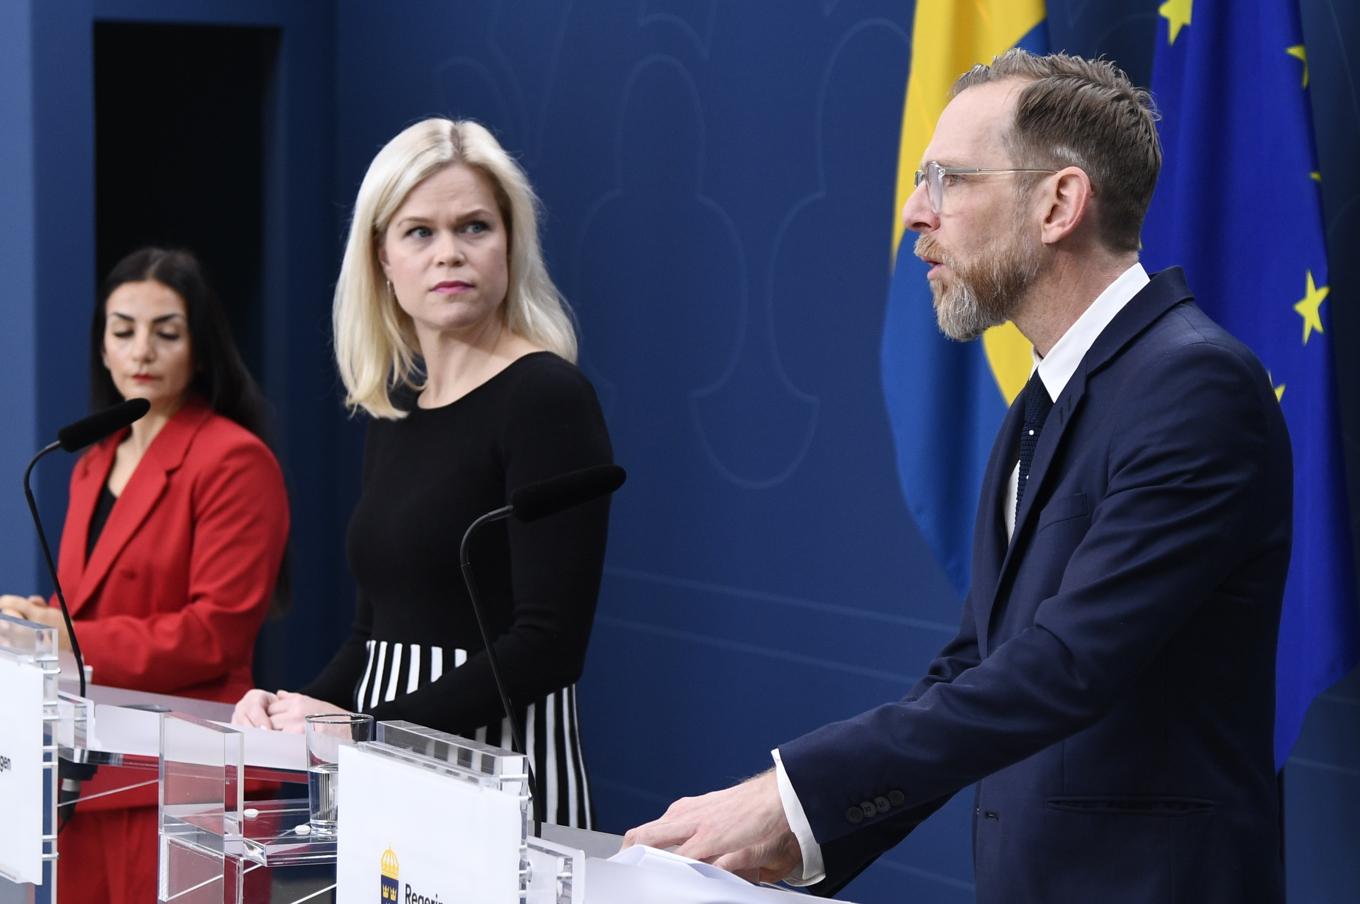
(1055, 370)
(1057, 367)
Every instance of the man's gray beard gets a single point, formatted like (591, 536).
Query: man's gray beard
(982, 296)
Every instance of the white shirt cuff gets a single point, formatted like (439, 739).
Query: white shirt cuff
(814, 870)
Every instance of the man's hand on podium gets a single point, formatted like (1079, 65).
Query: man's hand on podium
(741, 829)
(35, 609)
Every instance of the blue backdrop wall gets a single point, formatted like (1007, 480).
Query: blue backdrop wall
(718, 184)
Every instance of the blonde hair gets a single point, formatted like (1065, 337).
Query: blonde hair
(375, 342)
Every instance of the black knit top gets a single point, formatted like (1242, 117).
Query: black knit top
(415, 652)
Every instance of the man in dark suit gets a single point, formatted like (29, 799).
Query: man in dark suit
(1111, 688)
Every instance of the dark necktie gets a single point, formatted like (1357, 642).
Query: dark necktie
(1037, 406)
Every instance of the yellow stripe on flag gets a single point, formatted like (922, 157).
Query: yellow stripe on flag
(948, 37)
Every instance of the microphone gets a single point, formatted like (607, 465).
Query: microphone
(548, 497)
(72, 438)
(529, 503)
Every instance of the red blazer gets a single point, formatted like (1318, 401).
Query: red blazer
(180, 579)
(170, 601)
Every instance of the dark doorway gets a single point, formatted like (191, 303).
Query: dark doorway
(180, 115)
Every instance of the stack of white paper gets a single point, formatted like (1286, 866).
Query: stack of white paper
(646, 874)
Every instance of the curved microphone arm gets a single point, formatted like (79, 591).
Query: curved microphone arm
(496, 515)
(51, 566)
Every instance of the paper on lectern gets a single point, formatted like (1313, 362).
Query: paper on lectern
(643, 873)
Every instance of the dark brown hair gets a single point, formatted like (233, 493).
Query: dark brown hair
(220, 377)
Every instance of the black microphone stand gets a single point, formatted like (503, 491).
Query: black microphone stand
(51, 566)
(503, 512)
(72, 438)
(71, 773)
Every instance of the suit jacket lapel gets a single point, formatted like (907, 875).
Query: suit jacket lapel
(137, 500)
(91, 471)
(1166, 290)
(989, 536)
(139, 497)
(1049, 440)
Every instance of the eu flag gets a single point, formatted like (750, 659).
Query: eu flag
(1238, 207)
(946, 400)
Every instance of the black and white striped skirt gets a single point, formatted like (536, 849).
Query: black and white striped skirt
(550, 729)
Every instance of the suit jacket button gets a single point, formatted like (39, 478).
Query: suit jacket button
(855, 815)
(869, 808)
(881, 804)
(896, 798)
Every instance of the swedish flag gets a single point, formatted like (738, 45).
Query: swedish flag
(945, 399)
(1238, 207)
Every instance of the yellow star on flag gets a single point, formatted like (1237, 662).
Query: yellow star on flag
(1177, 15)
(1309, 307)
(1300, 53)
(1315, 176)
(1279, 390)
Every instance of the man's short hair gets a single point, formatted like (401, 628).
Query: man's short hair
(1084, 113)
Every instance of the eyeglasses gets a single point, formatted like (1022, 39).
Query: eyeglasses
(934, 174)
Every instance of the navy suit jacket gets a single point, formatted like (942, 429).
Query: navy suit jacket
(1111, 687)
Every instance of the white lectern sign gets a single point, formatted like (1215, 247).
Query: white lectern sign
(411, 833)
(21, 770)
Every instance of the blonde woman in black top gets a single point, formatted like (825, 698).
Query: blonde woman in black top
(451, 337)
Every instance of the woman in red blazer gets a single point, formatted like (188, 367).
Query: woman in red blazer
(175, 532)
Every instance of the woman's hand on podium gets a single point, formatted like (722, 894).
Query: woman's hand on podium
(253, 709)
(288, 710)
(283, 711)
(35, 609)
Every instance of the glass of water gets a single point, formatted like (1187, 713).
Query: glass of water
(326, 734)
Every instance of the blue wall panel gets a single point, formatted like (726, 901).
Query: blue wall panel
(1322, 798)
(18, 339)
